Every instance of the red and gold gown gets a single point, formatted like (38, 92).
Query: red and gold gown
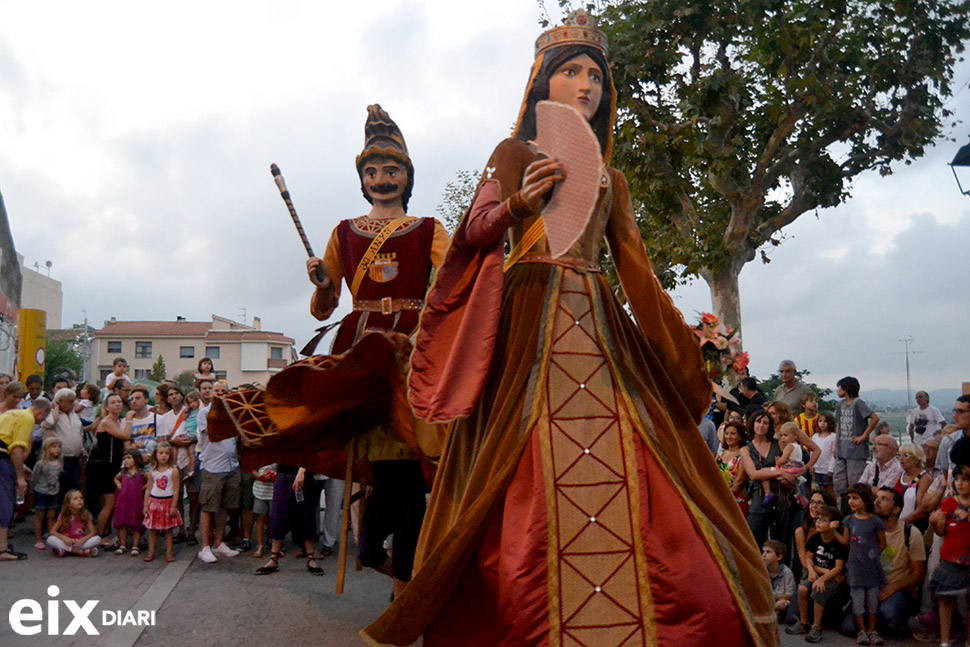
(575, 502)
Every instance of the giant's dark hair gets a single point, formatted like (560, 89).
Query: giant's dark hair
(601, 123)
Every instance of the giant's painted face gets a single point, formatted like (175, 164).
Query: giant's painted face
(385, 179)
(578, 83)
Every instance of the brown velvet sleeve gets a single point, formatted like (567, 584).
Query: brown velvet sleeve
(455, 341)
(498, 202)
(661, 322)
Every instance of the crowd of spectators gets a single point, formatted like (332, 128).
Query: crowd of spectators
(861, 531)
(86, 461)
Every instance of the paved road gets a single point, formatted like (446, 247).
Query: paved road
(209, 604)
(194, 603)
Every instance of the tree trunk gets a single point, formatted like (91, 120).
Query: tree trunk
(725, 296)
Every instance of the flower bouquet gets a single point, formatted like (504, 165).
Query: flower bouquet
(720, 345)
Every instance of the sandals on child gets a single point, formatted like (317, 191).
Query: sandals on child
(134, 551)
(274, 558)
(121, 550)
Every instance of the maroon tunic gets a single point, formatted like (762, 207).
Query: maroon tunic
(401, 271)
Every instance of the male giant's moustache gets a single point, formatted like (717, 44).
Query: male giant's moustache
(385, 188)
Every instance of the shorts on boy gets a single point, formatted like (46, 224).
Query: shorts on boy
(192, 483)
(821, 598)
(219, 491)
(950, 580)
(45, 501)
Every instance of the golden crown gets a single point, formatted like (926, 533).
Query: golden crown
(577, 29)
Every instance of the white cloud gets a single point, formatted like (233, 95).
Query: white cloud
(137, 141)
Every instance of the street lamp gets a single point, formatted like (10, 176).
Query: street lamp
(962, 158)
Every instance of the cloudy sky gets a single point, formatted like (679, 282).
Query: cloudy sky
(135, 144)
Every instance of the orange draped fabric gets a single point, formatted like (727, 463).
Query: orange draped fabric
(569, 371)
(312, 409)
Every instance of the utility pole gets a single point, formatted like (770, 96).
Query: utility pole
(907, 341)
(85, 349)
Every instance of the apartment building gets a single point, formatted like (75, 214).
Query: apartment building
(239, 352)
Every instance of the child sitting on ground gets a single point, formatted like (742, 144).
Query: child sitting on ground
(792, 460)
(824, 574)
(782, 579)
(47, 474)
(73, 533)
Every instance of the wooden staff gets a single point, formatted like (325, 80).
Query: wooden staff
(345, 521)
(281, 185)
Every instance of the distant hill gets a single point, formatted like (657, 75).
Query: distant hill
(942, 399)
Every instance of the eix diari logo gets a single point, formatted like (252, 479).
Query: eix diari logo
(27, 616)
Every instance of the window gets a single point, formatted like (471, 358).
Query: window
(186, 351)
(141, 373)
(114, 347)
(275, 352)
(212, 352)
(143, 349)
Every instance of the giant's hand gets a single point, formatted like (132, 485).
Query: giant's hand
(539, 179)
(312, 264)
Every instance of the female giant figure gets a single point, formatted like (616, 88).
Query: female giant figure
(575, 502)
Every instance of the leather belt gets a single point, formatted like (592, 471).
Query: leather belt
(577, 264)
(387, 305)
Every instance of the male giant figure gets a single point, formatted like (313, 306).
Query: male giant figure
(386, 259)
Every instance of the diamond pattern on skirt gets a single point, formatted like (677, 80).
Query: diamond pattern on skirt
(600, 601)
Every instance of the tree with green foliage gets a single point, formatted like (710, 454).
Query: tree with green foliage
(738, 116)
(60, 354)
(185, 381)
(456, 198)
(157, 373)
